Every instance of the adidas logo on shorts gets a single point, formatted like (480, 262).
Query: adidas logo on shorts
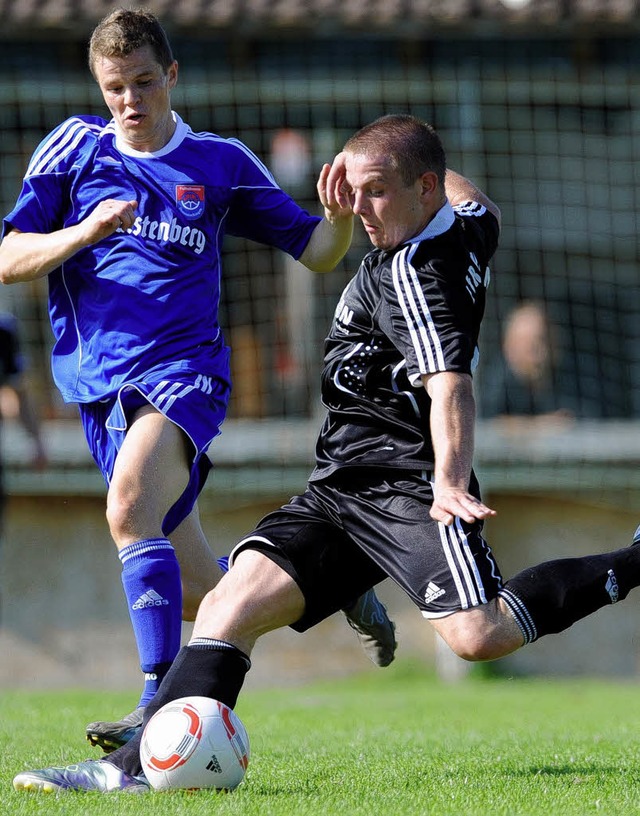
(433, 592)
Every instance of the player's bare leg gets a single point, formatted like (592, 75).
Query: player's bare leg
(199, 567)
(150, 473)
(484, 632)
(542, 600)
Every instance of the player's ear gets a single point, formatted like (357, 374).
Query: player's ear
(429, 183)
(172, 74)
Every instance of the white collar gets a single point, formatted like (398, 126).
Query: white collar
(178, 135)
(441, 222)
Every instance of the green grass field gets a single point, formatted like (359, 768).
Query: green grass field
(390, 742)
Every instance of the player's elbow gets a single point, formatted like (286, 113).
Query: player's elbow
(9, 259)
(7, 275)
(318, 262)
(5, 266)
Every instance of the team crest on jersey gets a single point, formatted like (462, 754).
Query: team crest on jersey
(190, 199)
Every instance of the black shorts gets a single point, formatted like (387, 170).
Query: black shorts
(348, 533)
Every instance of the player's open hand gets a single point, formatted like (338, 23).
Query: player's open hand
(333, 190)
(452, 502)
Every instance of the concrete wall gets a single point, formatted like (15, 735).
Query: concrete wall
(64, 621)
(530, 529)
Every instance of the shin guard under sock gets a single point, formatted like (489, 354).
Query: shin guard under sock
(151, 581)
(554, 595)
(213, 669)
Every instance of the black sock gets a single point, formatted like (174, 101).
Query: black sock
(205, 669)
(551, 597)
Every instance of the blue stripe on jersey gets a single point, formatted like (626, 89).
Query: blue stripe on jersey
(59, 145)
(212, 137)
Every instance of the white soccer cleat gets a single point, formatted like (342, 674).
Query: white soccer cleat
(91, 775)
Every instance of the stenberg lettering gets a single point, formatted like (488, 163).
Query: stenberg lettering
(170, 233)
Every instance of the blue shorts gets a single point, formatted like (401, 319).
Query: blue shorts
(195, 403)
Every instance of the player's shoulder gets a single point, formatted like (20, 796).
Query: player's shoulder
(231, 150)
(79, 125)
(208, 137)
(475, 216)
(207, 140)
(64, 142)
(475, 211)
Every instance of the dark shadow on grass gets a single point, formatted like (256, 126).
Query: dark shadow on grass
(563, 770)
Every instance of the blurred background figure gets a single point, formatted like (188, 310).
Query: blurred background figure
(525, 381)
(16, 403)
(297, 346)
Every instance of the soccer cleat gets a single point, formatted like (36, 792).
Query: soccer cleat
(111, 735)
(636, 537)
(376, 632)
(91, 775)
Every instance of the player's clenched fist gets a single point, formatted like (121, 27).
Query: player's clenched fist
(108, 216)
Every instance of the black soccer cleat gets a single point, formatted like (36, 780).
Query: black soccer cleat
(112, 735)
(376, 632)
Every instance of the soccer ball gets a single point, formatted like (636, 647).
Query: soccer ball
(194, 742)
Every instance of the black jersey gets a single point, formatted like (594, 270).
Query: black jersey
(409, 311)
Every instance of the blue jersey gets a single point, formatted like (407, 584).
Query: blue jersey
(146, 299)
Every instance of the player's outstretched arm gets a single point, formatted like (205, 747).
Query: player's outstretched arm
(452, 432)
(26, 256)
(332, 237)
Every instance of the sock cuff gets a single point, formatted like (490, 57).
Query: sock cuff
(139, 549)
(520, 614)
(215, 645)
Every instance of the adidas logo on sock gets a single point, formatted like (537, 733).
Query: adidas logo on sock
(612, 587)
(433, 592)
(149, 599)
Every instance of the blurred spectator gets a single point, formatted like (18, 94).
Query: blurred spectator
(15, 399)
(524, 383)
(291, 162)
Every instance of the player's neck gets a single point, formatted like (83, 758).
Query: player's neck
(150, 142)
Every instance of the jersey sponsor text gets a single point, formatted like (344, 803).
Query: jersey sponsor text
(169, 232)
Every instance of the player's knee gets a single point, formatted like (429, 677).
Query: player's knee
(478, 634)
(474, 647)
(120, 513)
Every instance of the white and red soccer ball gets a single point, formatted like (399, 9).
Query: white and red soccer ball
(193, 743)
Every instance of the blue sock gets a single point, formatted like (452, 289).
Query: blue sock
(151, 581)
(223, 563)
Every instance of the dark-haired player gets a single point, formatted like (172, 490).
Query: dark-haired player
(393, 492)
